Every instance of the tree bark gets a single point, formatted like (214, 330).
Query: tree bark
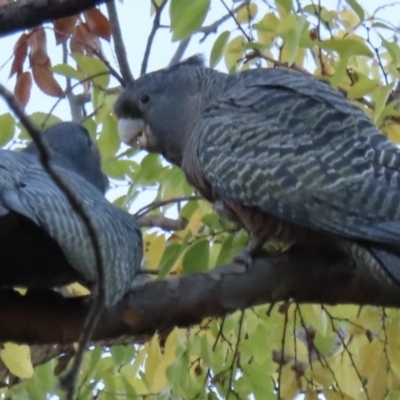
(301, 275)
(25, 14)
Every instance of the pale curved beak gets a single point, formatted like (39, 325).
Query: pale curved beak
(131, 131)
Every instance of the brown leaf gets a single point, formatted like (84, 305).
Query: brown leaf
(20, 53)
(98, 24)
(5, 2)
(64, 27)
(38, 48)
(83, 40)
(46, 81)
(76, 44)
(22, 89)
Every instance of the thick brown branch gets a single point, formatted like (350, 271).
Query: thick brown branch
(304, 275)
(25, 14)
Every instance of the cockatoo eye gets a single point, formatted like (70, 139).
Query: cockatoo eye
(145, 99)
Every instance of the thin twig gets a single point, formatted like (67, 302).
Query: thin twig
(157, 204)
(113, 72)
(156, 25)
(235, 354)
(69, 90)
(98, 300)
(159, 221)
(238, 24)
(212, 28)
(119, 46)
(75, 102)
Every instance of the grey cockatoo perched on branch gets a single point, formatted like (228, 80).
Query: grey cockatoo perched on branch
(289, 157)
(43, 242)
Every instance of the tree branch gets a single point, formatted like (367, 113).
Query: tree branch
(305, 275)
(159, 221)
(156, 25)
(25, 14)
(119, 45)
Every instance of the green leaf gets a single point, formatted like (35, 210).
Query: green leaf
(218, 48)
(394, 51)
(284, 6)
(41, 120)
(94, 69)
(108, 141)
(293, 36)
(68, 71)
(227, 252)
(377, 25)
(380, 96)
(362, 87)
(122, 354)
(357, 9)
(168, 259)
(188, 209)
(91, 126)
(196, 257)
(7, 123)
(187, 17)
(234, 52)
(95, 356)
(347, 47)
(119, 169)
(150, 169)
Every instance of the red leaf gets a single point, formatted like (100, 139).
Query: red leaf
(38, 48)
(83, 39)
(22, 89)
(98, 24)
(46, 81)
(64, 27)
(20, 52)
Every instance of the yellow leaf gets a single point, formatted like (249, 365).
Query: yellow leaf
(380, 96)
(247, 13)
(369, 358)
(320, 374)
(76, 290)
(349, 19)
(336, 395)
(130, 371)
(346, 375)
(311, 395)
(234, 52)
(195, 222)
(267, 28)
(154, 247)
(160, 381)
(17, 359)
(362, 87)
(393, 132)
(370, 319)
(153, 358)
(290, 384)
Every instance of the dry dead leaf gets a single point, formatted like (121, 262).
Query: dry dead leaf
(97, 23)
(64, 27)
(46, 81)
(22, 89)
